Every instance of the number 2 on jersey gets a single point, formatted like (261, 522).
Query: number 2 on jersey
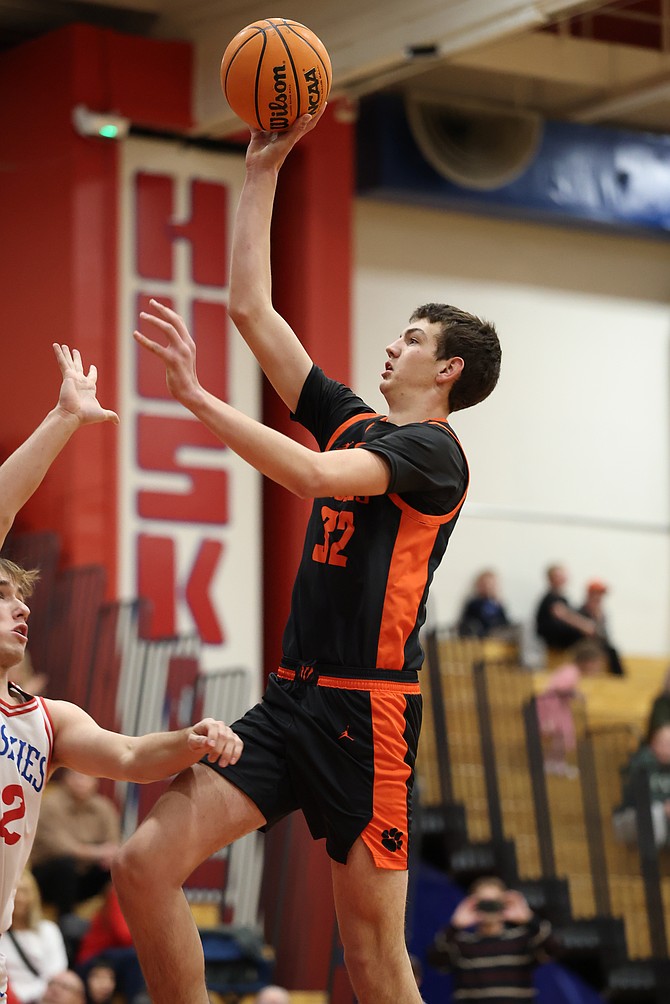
(9, 795)
(334, 520)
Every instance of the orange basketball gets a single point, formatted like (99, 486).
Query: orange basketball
(274, 71)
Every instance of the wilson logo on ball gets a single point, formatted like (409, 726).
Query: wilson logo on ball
(274, 71)
(279, 107)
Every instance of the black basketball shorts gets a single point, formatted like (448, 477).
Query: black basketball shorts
(342, 750)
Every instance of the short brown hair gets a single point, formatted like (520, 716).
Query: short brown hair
(475, 341)
(488, 880)
(23, 579)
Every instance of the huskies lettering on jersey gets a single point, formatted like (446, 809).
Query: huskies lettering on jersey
(30, 761)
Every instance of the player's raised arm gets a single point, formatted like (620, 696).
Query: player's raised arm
(281, 355)
(77, 405)
(305, 472)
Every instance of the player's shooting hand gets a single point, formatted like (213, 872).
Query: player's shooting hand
(178, 355)
(78, 390)
(272, 148)
(216, 741)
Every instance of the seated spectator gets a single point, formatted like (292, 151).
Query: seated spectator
(483, 614)
(492, 944)
(33, 946)
(557, 623)
(65, 988)
(554, 704)
(592, 607)
(660, 709)
(652, 761)
(100, 982)
(77, 836)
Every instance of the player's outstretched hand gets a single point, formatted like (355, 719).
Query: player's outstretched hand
(272, 148)
(216, 741)
(178, 355)
(78, 390)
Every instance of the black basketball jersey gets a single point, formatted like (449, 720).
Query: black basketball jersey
(359, 598)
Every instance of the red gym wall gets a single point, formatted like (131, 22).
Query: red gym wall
(58, 282)
(58, 200)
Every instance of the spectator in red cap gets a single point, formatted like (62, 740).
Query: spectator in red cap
(592, 608)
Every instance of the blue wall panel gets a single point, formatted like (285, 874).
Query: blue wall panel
(582, 175)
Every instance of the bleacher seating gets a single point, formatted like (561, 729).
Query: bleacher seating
(603, 876)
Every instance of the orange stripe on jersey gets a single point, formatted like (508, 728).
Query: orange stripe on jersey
(350, 421)
(408, 574)
(386, 833)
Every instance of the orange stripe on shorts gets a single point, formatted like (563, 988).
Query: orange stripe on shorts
(386, 833)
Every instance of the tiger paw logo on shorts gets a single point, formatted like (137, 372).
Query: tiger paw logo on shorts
(392, 839)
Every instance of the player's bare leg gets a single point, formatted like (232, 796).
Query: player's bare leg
(199, 813)
(370, 904)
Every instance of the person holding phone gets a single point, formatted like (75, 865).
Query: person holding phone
(491, 945)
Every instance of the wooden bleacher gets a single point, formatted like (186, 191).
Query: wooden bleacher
(614, 711)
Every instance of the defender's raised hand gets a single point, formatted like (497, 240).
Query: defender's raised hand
(23, 471)
(78, 390)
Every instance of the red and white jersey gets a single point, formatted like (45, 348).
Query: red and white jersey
(26, 746)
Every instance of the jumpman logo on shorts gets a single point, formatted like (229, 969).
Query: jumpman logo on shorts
(345, 735)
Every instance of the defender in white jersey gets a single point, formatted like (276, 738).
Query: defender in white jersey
(26, 744)
(38, 735)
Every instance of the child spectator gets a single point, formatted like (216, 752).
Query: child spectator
(100, 982)
(554, 705)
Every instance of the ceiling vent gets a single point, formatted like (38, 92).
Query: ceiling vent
(474, 147)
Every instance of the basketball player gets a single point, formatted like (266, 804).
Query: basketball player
(337, 731)
(39, 735)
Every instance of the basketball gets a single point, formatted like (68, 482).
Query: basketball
(274, 71)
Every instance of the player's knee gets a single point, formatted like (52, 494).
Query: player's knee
(133, 870)
(369, 947)
(361, 949)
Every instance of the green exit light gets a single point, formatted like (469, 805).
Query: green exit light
(109, 131)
